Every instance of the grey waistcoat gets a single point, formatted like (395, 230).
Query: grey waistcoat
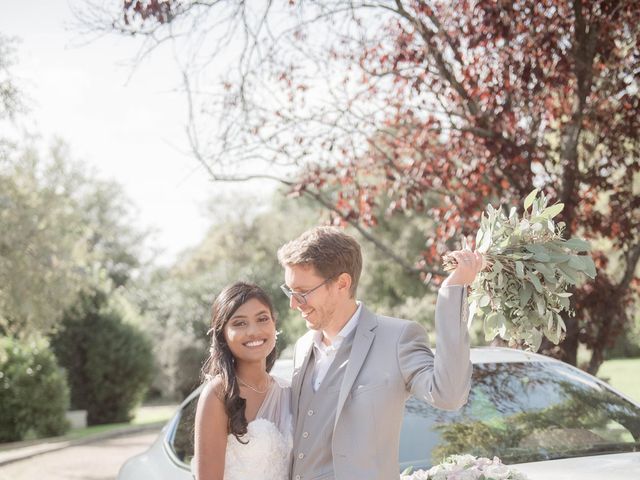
(316, 417)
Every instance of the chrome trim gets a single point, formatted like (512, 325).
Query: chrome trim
(166, 444)
(171, 428)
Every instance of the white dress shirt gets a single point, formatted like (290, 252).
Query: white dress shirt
(324, 354)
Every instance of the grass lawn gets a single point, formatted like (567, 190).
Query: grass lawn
(623, 374)
(145, 415)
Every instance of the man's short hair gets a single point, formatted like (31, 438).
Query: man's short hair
(327, 249)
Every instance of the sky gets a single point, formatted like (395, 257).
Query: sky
(127, 125)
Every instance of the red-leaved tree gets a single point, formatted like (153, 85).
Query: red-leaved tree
(440, 107)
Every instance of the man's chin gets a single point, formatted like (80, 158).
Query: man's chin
(311, 326)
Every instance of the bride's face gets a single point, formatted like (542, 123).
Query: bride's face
(251, 332)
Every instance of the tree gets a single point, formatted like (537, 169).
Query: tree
(43, 245)
(108, 359)
(62, 230)
(433, 107)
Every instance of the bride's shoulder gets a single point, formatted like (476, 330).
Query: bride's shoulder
(213, 388)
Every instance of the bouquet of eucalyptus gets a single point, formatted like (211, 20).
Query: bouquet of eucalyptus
(529, 268)
(466, 467)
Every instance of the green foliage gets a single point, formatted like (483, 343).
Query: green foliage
(42, 243)
(386, 286)
(61, 228)
(523, 292)
(34, 395)
(109, 360)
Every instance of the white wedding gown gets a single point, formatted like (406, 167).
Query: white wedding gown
(267, 455)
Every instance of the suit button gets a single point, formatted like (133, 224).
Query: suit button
(310, 412)
(301, 456)
(305, 435)
(298, 477)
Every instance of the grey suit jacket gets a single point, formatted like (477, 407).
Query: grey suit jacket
(390, 360)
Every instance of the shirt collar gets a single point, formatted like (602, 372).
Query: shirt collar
(342, 334)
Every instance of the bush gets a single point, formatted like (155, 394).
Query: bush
(34, 395)
(628, 343)
(109, 361)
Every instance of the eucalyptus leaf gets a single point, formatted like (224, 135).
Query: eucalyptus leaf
(484, 301)
(535, 281)
(569, 273)
(525, 295)
(552, 211)
(541, 305)
(519, 269)
(530, 198)
(577, 245)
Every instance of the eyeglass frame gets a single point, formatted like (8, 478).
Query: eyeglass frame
(301, 298)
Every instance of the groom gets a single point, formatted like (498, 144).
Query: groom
(354, 369)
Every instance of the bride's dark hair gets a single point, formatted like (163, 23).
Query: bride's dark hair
(221, 361)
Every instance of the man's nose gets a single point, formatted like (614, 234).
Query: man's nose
(293, 302)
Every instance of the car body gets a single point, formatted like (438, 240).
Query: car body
(546, 418)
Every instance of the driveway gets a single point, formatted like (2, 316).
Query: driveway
(98, 460)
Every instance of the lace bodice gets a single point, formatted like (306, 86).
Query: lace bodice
(266, 456)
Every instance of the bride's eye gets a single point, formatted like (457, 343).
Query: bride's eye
(264, 319)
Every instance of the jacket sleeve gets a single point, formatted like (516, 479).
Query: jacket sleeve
(443, 379)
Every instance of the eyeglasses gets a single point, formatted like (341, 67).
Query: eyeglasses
(301, 298)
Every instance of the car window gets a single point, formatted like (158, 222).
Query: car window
(523, 412)
(181, 441)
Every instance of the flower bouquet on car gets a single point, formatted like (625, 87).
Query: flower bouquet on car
(523, 288)
(466, 467)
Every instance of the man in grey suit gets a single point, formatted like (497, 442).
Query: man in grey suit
(354, 369)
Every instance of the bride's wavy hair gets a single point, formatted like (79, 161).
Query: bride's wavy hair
(221, 361)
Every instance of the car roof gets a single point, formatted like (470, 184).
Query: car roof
(505, 355)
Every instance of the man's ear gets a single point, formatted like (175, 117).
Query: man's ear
(344, 282)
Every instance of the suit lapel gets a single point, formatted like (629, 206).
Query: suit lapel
(364, 335)
(304, 352)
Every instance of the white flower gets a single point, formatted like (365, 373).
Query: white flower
(467, 467)
(498, 472)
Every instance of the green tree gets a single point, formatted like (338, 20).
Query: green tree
(108, 359)
(60, 228)
(34, 395)
(43, 242)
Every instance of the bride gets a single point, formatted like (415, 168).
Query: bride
(243, 418)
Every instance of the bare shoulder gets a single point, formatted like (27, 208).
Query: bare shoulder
(211, 397)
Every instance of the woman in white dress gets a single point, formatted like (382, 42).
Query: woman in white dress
(243, 418)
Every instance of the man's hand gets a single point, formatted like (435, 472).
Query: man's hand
(469, 264)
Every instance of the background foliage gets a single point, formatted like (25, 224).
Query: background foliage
(34, 395)
(376, 108)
